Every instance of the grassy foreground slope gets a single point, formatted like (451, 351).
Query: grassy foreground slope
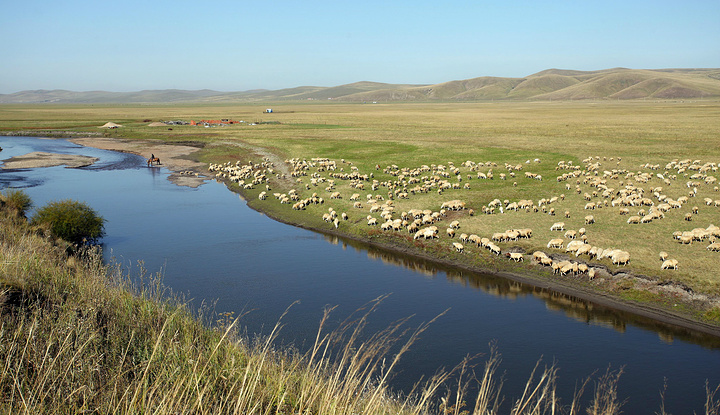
(629, 146)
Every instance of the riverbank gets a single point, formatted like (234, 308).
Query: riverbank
(669, 303)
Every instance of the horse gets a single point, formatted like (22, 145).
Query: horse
(153, 160)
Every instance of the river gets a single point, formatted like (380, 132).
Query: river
(212, 248)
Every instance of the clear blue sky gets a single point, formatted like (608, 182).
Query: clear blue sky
(239, 45)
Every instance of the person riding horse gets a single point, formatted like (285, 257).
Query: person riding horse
(152, 160)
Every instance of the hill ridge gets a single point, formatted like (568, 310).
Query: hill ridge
(550, 84)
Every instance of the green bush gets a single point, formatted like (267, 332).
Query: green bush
(73, 221)
(16, 200)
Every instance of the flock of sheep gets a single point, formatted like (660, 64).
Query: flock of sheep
(641, 195)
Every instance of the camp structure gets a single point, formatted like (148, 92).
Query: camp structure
(110, 125)
(157, 124)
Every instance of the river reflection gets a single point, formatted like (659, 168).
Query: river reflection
(572, 307)
(213, 249)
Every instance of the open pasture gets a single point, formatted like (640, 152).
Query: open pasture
(611, 160)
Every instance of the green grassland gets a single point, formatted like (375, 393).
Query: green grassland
(622, 136)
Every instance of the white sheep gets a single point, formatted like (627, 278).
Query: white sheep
(669, 264)
(558, 226)
(515, 256)
(458, 246)
(715, 247)
(538, 255)
(556, 243)
(621, 258)
(589, 219)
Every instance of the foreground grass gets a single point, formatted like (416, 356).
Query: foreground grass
(77, 337)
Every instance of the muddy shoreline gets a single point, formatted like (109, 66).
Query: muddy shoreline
(187, 172)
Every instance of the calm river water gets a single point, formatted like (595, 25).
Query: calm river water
(210, 246)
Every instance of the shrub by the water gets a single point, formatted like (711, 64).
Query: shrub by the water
(73, 221)
(16, 200)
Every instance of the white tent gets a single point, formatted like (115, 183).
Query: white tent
(110, 125)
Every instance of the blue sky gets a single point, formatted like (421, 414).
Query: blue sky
(239, 45)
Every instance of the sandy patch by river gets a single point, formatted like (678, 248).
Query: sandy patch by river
(39, 159)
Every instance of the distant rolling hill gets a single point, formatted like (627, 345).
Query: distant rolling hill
(551, 84)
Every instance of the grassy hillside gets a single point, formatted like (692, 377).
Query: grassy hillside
(551, 84)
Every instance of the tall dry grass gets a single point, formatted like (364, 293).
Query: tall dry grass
(77, 336)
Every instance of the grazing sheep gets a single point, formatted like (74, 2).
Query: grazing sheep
(499, 236)
(451, 232)
(556, 243)
(573, 246)
(558, 226)
(621, 258)
(715, 247)
(515, 256)
(494, 249)
(567, 214)
(583, 249)
(633, 219)
(458, 246)
(372, 222)
(663, 255)
(571, 234)
(591, 273)
(669, 264)
(455, 224)
(688, 217)
(589, 219)
(525, 233)
(538, 255)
